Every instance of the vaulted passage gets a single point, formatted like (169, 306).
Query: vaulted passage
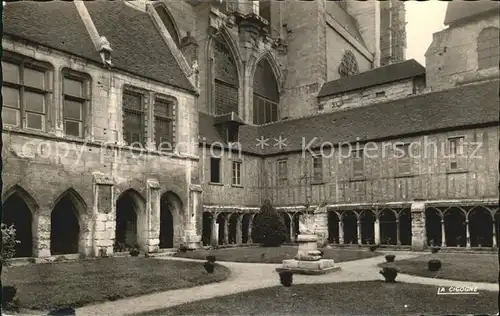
(333, 227)
(367, 219)
(65, 225)
(388, 227)
(455, 228)
(16, 212)
(286, 219)
(245, 223)
(127, 208)
(221, 221)
(171, 207)
(266, 96)
(481, 227)
(233, 228)
(350, 227)
(207, 228)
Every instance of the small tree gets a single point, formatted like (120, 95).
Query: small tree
(8, 243)
(269, 227)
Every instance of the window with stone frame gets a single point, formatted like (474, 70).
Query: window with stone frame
(215, 170)
(488, 48)
(456, 153)
(348, 65)
(25, 89)
(236, 175)
(76, 102)
(402, 155)
(226, 81)
(266, 96)
(134, 114)
(168, 21)
(164, 123)
(358, 163)
(282, 172)
(317, 164)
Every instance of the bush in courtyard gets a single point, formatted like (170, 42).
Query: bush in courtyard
(8, 243)
(269, 227)
(183, 248)
(435, 249)
(434, 265)
(286, 278)
(390, 258)
(211, 258)
(389, 274)
(209, 266)
(134, 251)
(373, 248)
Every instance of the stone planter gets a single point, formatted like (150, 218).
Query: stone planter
(390, 258)
(210, 258)
(389, 274)
(434, 265)
(435, 249)
(209, 267)
(286, 278)
(134, 252)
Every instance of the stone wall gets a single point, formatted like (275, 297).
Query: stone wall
(49, 165)
(371, 95)
(453, 54)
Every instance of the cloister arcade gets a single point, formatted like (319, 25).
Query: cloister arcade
(68, 225)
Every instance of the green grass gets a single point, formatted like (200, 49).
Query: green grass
(353, 298)
(56, 285)
(460, 267)
(273, 254)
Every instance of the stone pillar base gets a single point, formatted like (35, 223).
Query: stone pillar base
(192, 242)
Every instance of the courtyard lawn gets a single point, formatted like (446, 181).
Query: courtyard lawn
(455, 266)
(353, 298)
(273, 254)
(73, 284)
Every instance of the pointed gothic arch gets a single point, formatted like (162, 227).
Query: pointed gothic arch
(266, 91)
(19, 209)
(66, 224)
(130, 219)
(171, 219)
(168, 20)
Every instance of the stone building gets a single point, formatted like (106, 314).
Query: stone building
(149, 116)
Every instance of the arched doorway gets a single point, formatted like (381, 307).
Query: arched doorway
(388, 227)
(221, 221)
(350, 224)
(207, 228)
(405, 231)
(433, 227)
(233, 228)
(65, 224)
(245, 228)
(296, 231)
(454, 227)
(171, 208)
(128, 206)
(480, 227)
(16, 212)
(333, 227)
(367, 218)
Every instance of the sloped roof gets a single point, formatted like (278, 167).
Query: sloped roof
(55, 24)
(137, 45)
(390, 73)
(458, 11)
(347, 21)
(448, 109)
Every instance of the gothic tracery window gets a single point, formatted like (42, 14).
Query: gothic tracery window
(348, 65)
(225, 78)
(488, 48)
(265, 94)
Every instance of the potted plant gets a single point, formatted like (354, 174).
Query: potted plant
(286, 278)
(390, 258)
(209, 267)
(210, 258)
(435, 249)
(373, 248)
(434, 265)
(134, 251)
(183, 248)
(389, 274)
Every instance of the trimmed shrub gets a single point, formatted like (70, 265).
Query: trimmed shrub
(211, 258)
(434, 265)
(389, 274)
(390, 258)
(269, 228)
(286, 278)
(8, 243)
(435, 249)
(134, 251)
(183, 248)
(209, 267)
(373, 248)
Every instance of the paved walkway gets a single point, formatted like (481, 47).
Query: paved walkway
(251, 276)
